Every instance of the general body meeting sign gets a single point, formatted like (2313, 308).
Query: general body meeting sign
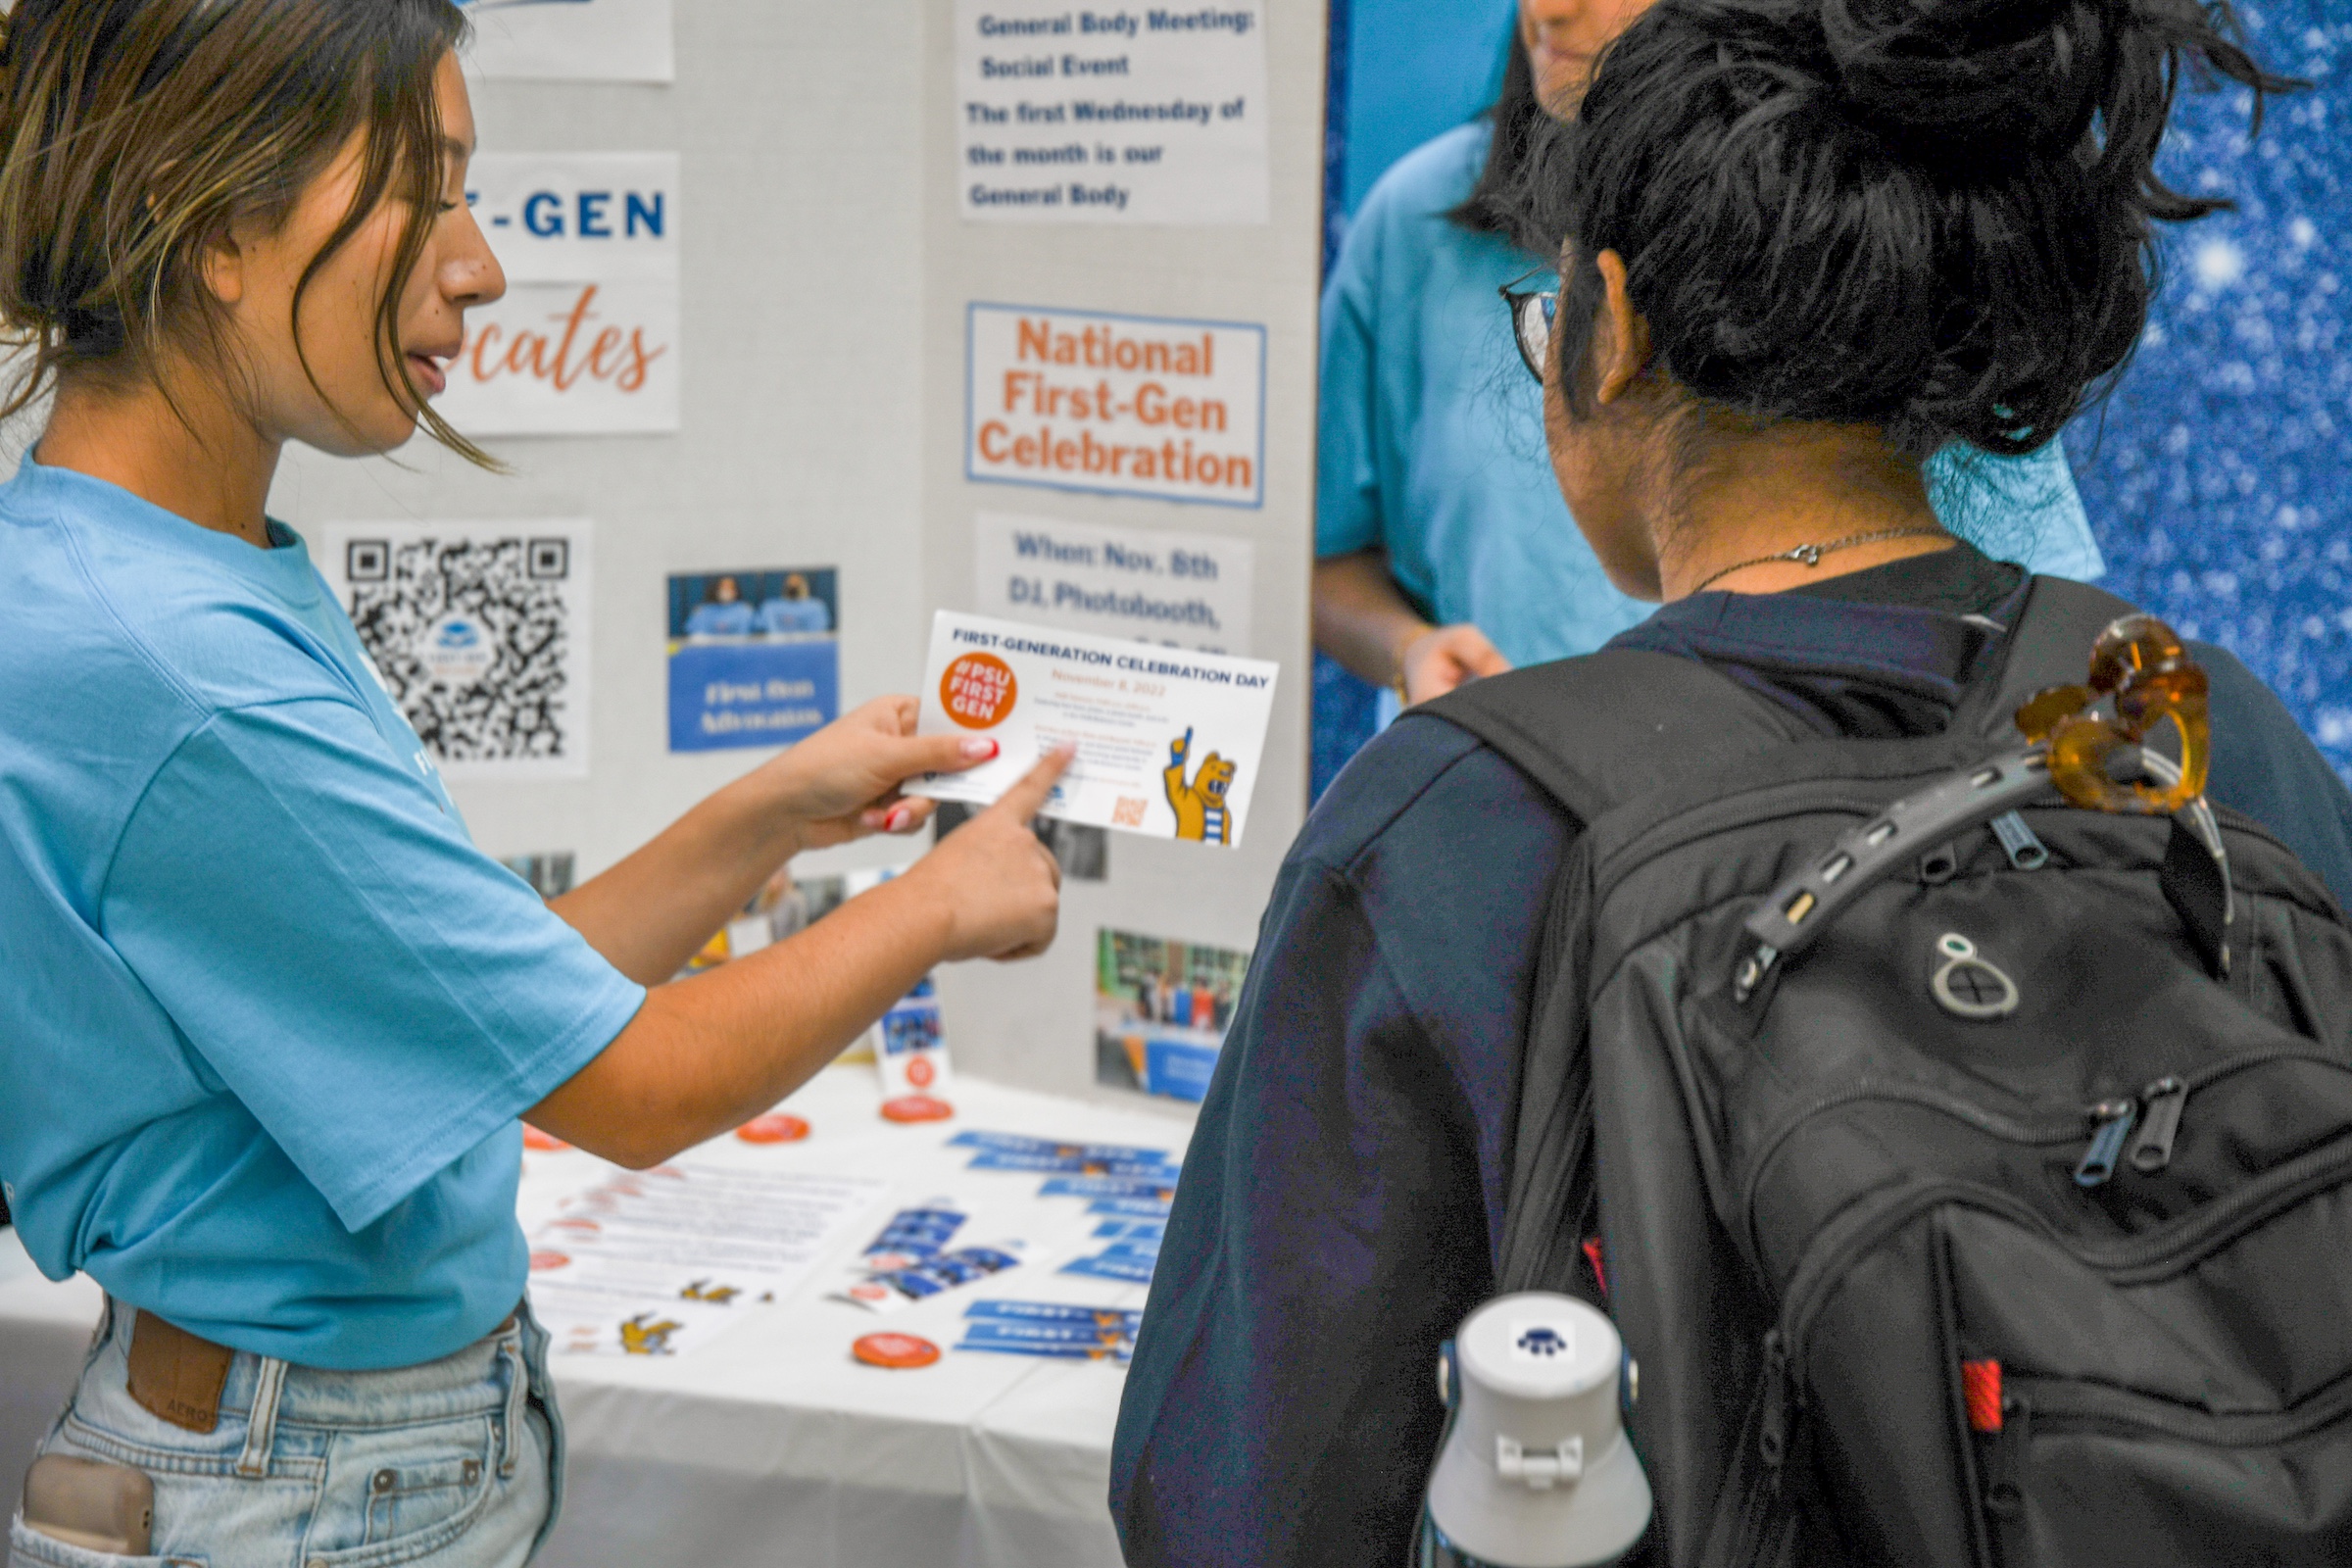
(1116, 405)
(1141, 115)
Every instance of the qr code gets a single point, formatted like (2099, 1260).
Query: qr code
(476, 637)
(1127, 812)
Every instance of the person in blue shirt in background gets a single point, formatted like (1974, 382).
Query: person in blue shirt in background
(722, 612)
(1444, 549)
(794, 610)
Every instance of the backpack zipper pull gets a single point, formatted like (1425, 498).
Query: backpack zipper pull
(2019, 842)
(1772, 1431)
(2114, 1118)
(2152, 1150)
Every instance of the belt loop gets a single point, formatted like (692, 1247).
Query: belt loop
(261, 1427)
(518, 1393)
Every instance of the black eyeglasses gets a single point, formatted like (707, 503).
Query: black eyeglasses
(1532, 313)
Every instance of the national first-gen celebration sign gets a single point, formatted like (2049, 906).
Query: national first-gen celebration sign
(1119, 405)
(571, 40)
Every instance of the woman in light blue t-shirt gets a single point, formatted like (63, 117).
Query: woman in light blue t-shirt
(1444, 549)
(272, 1019)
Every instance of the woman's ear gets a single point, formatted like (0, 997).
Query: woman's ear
(1621, 343)
(223, 267)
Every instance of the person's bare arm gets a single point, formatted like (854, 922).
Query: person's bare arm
(651, 914)
(1362, 620)
(707, 1053)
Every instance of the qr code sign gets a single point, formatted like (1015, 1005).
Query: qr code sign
(480, 635)
(1127, 812)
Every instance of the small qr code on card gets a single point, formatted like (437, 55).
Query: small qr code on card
(1127, 812)
(479, 635)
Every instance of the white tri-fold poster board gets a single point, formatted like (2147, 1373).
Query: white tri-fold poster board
(1122, 242)
(768, 365)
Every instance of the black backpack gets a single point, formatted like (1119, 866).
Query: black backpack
(2002, 1214)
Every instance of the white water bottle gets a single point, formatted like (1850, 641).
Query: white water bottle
(1536, 1470)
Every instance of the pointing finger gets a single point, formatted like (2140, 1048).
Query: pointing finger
(1028, 797)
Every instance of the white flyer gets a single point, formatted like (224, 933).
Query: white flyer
(1169, 741)
(480, 633)
(571, 40)
(647, 1263)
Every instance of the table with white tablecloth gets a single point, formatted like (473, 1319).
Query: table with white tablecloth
(768, 1443)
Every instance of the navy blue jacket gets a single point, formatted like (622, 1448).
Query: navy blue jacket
(1344, 1194)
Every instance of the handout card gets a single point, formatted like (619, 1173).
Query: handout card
(1169, 741)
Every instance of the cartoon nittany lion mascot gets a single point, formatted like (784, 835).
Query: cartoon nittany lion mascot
(1201, 810)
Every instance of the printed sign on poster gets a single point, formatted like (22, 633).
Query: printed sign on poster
(754, 656)
(571, 40)
(1149, 116)
(586, 340)
(1117, 405)
(1187, 590)
(480, 633)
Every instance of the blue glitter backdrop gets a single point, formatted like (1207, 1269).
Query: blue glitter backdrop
(2218, 474)
(2220, 478)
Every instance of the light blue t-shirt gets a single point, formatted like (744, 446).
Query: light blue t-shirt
(269, 1016)
(734, 619)
(1432, 435)
(794, 616)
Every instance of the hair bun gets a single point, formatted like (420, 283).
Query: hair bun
(1945, 77)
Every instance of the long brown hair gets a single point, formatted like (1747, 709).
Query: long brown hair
(133, 133)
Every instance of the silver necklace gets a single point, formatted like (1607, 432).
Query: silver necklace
(1810, 554)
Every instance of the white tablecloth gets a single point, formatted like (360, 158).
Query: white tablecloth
(768, 1443)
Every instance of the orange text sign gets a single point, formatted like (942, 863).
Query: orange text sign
(586, 340)
(1118, 405)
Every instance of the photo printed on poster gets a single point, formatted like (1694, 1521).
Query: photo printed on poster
(571, 40)
(1161, 1008)
(1149, 116)
(754, 656)
(480, 634)
(585, 341)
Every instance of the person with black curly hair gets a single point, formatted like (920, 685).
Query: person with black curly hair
(1806, 244)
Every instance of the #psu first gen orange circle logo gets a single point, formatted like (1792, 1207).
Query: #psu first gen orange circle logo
(978, 691)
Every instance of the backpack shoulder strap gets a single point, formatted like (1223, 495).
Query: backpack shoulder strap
(2050, 645)
(1605, 728)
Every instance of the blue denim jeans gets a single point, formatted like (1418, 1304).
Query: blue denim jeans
(456, 1463)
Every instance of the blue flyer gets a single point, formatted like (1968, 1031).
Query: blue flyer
(1109, 1187)
(755, 658)
(991, 1332)
(1071, 1164)
(1057, 1313)
(1128, 1270)
(1122, 1353)
(1022, 1144)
